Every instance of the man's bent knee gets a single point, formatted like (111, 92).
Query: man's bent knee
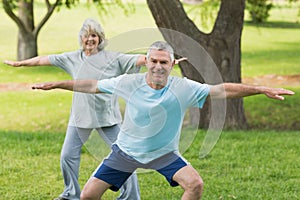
(94, 189)
(85, 196)
(195, 187)
(190, 181)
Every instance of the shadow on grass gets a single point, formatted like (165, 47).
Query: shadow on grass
(288, 25)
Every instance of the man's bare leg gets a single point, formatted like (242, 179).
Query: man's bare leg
(189, 179)
(94, 189)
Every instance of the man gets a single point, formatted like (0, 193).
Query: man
(155, 107)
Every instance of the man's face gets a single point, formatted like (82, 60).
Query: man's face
(90, 41)
(159, 67)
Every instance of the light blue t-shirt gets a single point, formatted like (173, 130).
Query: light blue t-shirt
(95, 110)
(153, 118)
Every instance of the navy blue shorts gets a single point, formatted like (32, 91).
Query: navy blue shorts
(118, 166)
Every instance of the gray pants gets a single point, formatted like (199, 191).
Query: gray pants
(70, 161)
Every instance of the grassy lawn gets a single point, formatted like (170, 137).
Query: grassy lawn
(272, 47)
(243, 165)
(276, 49)
(269, 114)
(259, 164)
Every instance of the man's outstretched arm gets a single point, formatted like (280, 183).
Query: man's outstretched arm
(85, 86)
(236, 90)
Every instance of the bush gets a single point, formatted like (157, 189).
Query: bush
(259, 10)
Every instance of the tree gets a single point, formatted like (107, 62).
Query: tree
(22, 13)
(223, 44)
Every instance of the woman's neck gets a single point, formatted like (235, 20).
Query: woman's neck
(88, 52)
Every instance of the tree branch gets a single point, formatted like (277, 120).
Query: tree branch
(230, 16)
(8, 9)
(50, 9)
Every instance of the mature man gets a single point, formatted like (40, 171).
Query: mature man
(155, 107)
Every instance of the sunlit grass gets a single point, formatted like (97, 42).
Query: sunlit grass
(35, 111)
(243, 165)
(270, 50)
(264, 113)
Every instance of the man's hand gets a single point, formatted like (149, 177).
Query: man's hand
(179, 60)
(236, 90)
(276, 93)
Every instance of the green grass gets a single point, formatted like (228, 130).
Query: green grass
(32, 74)
(261, 164)
(264, 113)
(270, 50)
(272, 47)
(35, 111)
(245, 165)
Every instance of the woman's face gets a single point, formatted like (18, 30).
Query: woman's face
(90, 42)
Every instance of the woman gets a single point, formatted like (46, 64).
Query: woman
(100, 111)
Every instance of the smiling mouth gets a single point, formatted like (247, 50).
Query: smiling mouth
(158, 73)
(90, 43)
(158, 76)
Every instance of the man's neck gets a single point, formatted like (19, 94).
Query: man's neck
(155, 86)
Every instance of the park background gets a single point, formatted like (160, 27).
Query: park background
(261, 163)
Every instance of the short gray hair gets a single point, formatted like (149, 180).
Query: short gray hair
(161, 46)
(91, 25)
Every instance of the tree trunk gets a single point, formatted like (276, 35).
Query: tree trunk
(223, 45)
(27, 45)
(27, 40)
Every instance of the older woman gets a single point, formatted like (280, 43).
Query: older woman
(100, 111)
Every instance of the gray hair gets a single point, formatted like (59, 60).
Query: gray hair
(92, 26)
(161, 46)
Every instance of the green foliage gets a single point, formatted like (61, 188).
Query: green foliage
(104, 9)
(10, 4)
(103, 5)
(295, 3)
(259, 10)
